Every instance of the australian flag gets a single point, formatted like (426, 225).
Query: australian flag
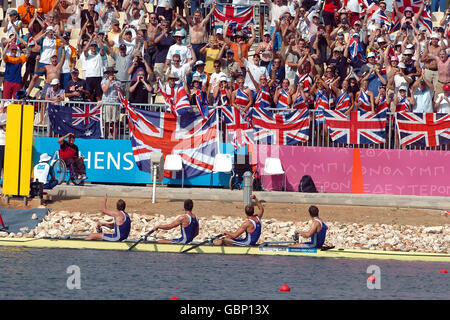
(82, 120)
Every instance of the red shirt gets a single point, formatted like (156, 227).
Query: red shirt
(67, 151)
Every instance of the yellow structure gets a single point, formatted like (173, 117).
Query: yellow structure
(18, 150)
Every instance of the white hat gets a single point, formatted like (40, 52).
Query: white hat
(179, 34)
(408, 51)
(410, 46)
(403, 88)
(44, 157)
(54, 81)
(50, 28)
(422, 29)
(199, 63)
(408, 8)
(371, 54)
(434, 35)
(381, 39)
(223, 78)
(219, 31)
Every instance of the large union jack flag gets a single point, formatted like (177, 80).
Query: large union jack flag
(280, 129)
(415, 5)
(190, 136)
(423, 129)
(81, 120)
(239, 17)
(239, 130)
(358, 128)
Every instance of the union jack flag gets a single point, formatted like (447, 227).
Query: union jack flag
(364, 101)
(239, 17)
(423, 129)
(322, 102)
(202, 103)
(415, 5)
(306, 80)
(239, 131)
(356, 50)
(358, 128)
(263, 99)
(283, 102)
(176, 98)
(190, 136)
(82, 120)
(281, 129)
(299, 103)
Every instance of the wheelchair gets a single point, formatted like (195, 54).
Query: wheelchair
(62, 172)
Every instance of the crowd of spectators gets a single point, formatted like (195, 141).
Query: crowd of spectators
(306, 53)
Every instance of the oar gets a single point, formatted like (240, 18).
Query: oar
(202, 243)
(4, 230)
(141, 239)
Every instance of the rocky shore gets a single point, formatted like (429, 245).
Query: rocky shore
(342, 235)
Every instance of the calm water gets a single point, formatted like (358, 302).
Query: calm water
(42, 274)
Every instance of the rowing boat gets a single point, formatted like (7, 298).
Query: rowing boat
(263, 249)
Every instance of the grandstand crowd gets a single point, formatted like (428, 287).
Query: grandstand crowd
(297, 54)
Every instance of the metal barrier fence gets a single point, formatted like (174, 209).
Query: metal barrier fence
(318, 136)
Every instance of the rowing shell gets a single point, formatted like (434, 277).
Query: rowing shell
(265, 249)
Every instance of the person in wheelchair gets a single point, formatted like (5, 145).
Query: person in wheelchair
(69, 153)
(43, 176)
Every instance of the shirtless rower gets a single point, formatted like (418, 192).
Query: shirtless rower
(251, 227)
(197, 28)
(317, 232)
(188, 223)
(121, 224)
(52, 71)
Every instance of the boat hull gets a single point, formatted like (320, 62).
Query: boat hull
(233, 250)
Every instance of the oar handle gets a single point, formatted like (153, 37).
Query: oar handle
(141, 239)
(202, 243)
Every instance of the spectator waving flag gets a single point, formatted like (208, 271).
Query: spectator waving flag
(423, 129)
(356, 50)
(424, 18)
(239, 131)
(190, 136)
(176, 98)
(83, 120)
(239, 17)
(202, 103)
(281, 129)
(359, 128)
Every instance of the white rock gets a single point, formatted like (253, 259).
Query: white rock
(437, 229)
(34, 216)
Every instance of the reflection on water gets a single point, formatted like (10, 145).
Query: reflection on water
(42, 274)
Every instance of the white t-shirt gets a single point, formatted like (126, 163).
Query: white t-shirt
(165, 4)
(40, 172)
(48, 49)
(66, 65)
(180, 72)
(214, 81)
(92, 64)
(256, 71)
(353, 6)
(276, 12)
(444, 106)
(182, 50)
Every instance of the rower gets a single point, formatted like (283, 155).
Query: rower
(121, 224)
(188, 223)
(317, 232)
(251, 227)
